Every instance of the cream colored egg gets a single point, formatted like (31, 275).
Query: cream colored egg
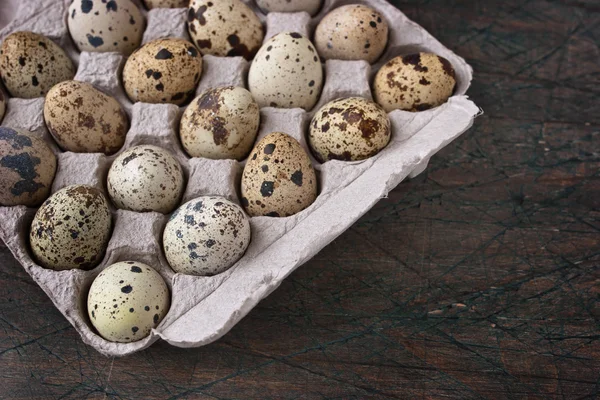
(146, 178)
(224, 28)
(221, 123)
(279, 179)
(349, 129)
(206, 236)
(3, 101)
(352, 32)
(414, 82)
(127, 300)
(286, 6)
(166, 3)
(286, 73)
(106, 25)
(27, 168)
(30, 64)
(163, 71)
(83, 119)
(71, 229)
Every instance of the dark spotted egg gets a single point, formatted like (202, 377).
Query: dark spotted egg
(414, 82)
(127, 300)
(106, 25)
(27, 168)
(163, 71)
(30, 64)
(349, 129)
(206, 236)
(71, 229)
(279, 179)
(224, 28)
(150, 4)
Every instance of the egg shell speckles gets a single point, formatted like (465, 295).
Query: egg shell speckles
(30, 64)
(352, 32)
(349, 129)
(106, 25)
(221, 123)
(414, 82)
(279, 179)
(150, 4)
(286, 73)
(3, 101)
(310, 6)
(127, 300)
(163, 71)
(146, 178)
(83, 119)
(206, 236)
(71, 229)
(224, 28)
(27, 168)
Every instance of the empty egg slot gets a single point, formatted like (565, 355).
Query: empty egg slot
(287, 22)
(222, 71)
(212, 178)
(81, 169)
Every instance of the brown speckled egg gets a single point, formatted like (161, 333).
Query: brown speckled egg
(150, 4)
(309, 6)
(30, 64)
(146, 178)
(71, 229)
(3, 101)
(279, 179)
(415, 82)
(206, 236)
(224, 28)
(106, 25)
(82, 119)
(221, 123)
(349, 129)
(352, 32)
(286, 73)
(27, 168)
(163, 71)
(127, 300)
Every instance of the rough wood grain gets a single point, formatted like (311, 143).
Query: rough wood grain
(478, 279)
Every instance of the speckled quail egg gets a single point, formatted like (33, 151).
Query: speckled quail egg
(279, 179)
(127, 300)
(286, 73)
(221, 123)
(163, 71)
(27, 168)
(166, 3)
(146, 178)
(30, 64)
(83, 119)
(415, 82)
(310, 6)
(352, 32)
(349, 129)
(224, 28)
(3, 101)
(106, 25)
(206, 236)
(71, 229)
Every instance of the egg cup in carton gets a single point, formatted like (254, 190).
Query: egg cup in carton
(205, 308)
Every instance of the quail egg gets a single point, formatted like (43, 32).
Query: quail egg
(146, 178)
(286, 73)
(71, 229)
(127, 300)
(286, 6)
(279, 179)
(27, 168)
(414, 82)
(221, 123)
(163, 71)
(30, 64)
(349, 129)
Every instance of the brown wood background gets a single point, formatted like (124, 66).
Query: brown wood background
(478, 279)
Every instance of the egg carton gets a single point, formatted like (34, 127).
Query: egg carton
(205, 308)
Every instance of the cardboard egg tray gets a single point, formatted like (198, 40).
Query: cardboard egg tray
(205, 308)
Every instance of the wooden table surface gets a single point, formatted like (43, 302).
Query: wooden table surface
(478, 279)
